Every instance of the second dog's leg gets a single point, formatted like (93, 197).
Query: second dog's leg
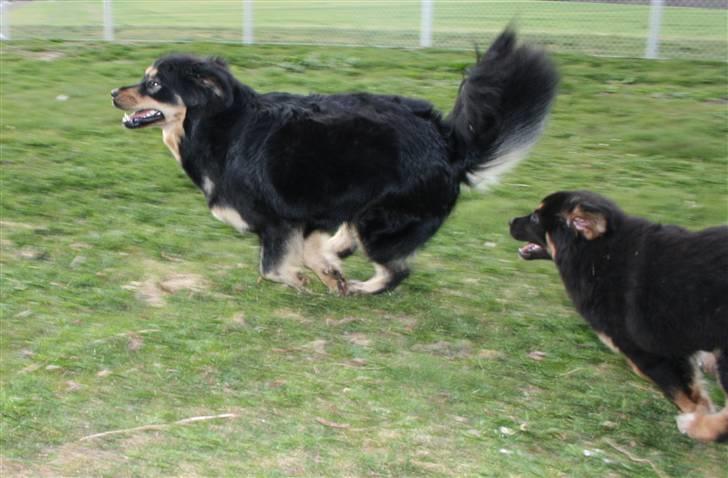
(709, 427)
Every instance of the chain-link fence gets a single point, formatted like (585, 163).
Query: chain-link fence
(693, 29)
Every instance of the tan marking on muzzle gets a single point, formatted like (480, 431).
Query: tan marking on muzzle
(127, 98)
(130, 99)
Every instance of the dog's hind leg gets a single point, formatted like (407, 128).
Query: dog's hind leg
(281, 256)
(679, 378)
(388, 240)
(709, 427)
(343, 243)
(386, 277)
(320, 258)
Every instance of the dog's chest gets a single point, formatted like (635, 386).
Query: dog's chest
(229, 216)
(219, 207)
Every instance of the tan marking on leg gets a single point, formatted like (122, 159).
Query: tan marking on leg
(288, 271)
(697, 390)
(636, 369)
(229, 216)
(708, 361)
(684, 402)
(377, 282)
(319, 257)
(207, 185)
(704, 427)
(697, 399)
(344, 239)
(606, 340)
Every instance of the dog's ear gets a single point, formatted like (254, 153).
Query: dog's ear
(216, 81)
(588, 221)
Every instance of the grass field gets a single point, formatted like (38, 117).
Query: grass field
(599, 28)
(125, 304)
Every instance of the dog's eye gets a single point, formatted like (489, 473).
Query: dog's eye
(153, 84)
(534, 218)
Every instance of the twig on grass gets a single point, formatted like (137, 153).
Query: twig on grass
(330, 424)
(636, 458)
(578, 369)
(159, 426)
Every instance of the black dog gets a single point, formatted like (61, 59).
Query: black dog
(656, 293)
(386, 170)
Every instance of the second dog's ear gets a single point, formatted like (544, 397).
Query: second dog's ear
(590, 224)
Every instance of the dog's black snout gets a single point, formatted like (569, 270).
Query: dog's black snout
(115, 92)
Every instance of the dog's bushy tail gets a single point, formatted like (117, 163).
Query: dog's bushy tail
(501, 109)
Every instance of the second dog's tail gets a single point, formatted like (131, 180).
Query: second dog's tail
(501, 109)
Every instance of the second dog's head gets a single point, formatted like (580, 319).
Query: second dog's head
(171, 87)
(562, 218)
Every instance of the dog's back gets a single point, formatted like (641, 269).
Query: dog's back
(677, 298)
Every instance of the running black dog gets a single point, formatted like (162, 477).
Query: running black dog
(385, 170)
(658, 294)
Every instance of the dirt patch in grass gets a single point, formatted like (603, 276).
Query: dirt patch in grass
(455, 349)
(153, 290)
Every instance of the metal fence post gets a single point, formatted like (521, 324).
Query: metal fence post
(247, 22)
(653, 36)
(4, 20)
(108, 21)
(426, 23)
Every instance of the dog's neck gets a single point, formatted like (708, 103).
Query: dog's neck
(172, 135)
(198, 138)
(173, 131)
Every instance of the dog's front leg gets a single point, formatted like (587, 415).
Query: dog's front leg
(320, 258)
(281, 256)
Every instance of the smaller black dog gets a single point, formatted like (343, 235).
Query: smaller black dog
(656, 293)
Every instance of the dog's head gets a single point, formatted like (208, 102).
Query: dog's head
(562, 218)
(173, 86)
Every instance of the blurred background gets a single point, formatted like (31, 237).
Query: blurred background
(693, 29)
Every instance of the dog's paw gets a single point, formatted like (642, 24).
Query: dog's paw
(685, 422)
(335, 280)
(300, 282)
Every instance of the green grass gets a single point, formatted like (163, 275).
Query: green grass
(424, 379)
(599, 28)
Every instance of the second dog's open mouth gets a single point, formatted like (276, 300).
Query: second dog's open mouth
(142, 118)
(533, 251)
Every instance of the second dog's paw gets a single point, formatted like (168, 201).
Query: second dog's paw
(685, 422)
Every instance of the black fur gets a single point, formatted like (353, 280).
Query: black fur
(659, 292)
(389, 166)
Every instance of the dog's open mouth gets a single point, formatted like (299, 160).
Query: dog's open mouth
(142, 118)
(533, 251)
